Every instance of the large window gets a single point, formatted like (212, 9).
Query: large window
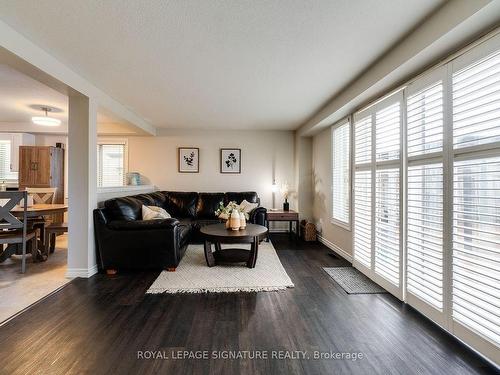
(111, 163)
(427, 210)
(341, 146)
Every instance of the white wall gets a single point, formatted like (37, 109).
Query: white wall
(263, 154)
(303, 176)
(322, 196)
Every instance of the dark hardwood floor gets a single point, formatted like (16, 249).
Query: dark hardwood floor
(97, 326)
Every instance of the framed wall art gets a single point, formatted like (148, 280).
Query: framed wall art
(189, 160)
(230, 160)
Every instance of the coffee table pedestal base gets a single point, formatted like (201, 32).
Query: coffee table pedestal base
(233, 255)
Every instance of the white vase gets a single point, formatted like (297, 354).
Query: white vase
(243, 220)
(234, 220)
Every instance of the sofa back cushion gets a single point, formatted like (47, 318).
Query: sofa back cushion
(238, 197)
(158, 198)
(124, 208)
(208, 204)
(180, 204)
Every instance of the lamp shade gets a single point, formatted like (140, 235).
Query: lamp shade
(46, 121)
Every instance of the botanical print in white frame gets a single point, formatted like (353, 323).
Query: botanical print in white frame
(230, 160)
(189, 159)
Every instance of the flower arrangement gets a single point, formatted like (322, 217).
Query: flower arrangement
(224, 212)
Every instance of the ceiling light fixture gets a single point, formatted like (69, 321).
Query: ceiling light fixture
(46, 121)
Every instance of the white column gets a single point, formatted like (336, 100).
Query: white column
(82, 185)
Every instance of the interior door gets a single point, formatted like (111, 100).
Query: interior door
(27, 171)
(42, 166)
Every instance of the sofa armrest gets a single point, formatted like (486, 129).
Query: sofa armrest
(136, 244)
(258, 216)
(143, 224)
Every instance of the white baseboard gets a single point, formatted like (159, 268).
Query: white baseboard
(335, 248)
(81, 272)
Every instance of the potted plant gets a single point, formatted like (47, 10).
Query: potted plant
(285, 191)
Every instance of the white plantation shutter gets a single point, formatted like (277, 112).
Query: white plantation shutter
(388, 127)
(5, 152)
(476, 103)
(425, 121)
(387, 224)
(363, 191)
(363, 140)
(341, 173)
(476, 246)
(424, 195)
(449, 239)
(377, 236)
(425, 233)
(362, 217)
(111, 165)
(476, 199)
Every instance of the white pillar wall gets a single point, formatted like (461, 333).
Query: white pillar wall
(304, 176)
(82, 185)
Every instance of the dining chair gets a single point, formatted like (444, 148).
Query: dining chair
(42, 196)
(51, 231)
(13, 230)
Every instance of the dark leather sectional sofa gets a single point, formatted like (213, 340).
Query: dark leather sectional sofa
(125, 241)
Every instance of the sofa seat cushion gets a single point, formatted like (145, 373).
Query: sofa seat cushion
(208, 203)
(141, 225)
(198, 224)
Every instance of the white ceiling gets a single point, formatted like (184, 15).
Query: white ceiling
(19, 93)
(218, 64)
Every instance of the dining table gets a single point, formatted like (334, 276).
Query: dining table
(33, 212)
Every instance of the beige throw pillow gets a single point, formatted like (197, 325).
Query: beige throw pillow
(154, 213)
(248, 207)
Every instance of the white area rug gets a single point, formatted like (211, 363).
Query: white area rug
(194, 276)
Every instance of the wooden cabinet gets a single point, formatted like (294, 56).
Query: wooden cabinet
(42, 166)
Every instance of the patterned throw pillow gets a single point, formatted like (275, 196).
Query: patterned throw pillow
(154, 213)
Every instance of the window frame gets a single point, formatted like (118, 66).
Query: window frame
(346, 225)
(113, 141)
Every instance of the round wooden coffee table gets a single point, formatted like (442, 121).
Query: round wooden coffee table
(217, 234)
